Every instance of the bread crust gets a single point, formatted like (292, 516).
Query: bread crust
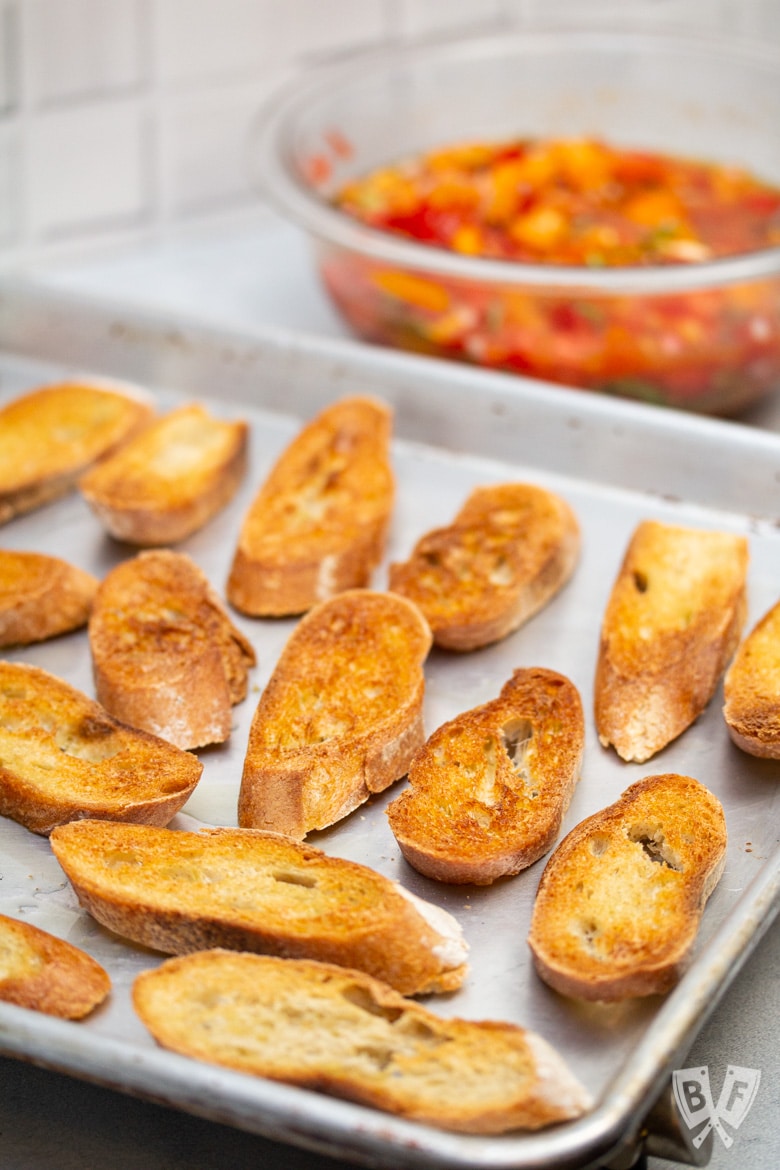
(170, 479)
(166, 656)
(319, 523)
(620, 901)
(46, 974)
(509, 550)
(340, 1032)
(64, 757)
(41, 596)
(488, 791)
(51, 435)
(243, 889)
(671, 624)
(342, 714)
(751, 689)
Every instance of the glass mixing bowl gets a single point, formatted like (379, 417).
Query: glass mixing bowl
(702, 336)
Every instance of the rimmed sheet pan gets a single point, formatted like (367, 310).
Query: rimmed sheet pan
(455, 428)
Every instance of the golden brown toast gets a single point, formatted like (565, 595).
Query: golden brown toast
(41, 596)
(166, 656)
(179, 891)
(341, 716)
(671, 625)
(620, 901)
(319, 523)
(488, 791)
(62, 756)
(341, 1032)
(171, 479)
(508, 551)
(46, 974)
(751, 689)
(51, 435)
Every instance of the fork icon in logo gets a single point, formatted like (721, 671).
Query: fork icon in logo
(694, 1100)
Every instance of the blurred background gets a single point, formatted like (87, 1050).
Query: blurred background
(124, 120)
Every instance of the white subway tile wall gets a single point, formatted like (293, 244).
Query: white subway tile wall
(83, 49)
(7, 63)
(123, 118)
(204, 136)
(87, 166)
(421, 17)
(702, 15)
(211, 41)
(9, 189)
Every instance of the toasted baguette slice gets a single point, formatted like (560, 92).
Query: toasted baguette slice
(47, 974)
(171, 479)
(620, 900)
(751, 689)
(509, 550)
(50, 436)
(671, 625)
(341, 1032)
(243, 889)
(341, 717)
(62, 756)
(319, 523)
(41, 596)
(489, 789)
(166, 656)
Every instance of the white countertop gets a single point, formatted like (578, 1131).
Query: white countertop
(240, 274)
(257, 272)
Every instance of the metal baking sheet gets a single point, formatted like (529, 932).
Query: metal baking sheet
(455, 427)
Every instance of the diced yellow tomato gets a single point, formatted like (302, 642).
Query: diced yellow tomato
(468, 240)
(503, 188)
(654, 208)
(584, 164)
(414, 290)
(385, 192)
(468, 156)
(541, 228)
(451, 192)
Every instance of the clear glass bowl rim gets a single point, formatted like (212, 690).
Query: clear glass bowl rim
(276, 177)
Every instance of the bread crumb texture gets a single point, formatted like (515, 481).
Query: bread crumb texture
(51, 435)
(166, 656)
(488, 791)
(751, 689)
(319, 522)
(341, 1032)
(63, 756)
(41, 596)
(178, 891)
(671, 625)
(44, 973)
(170, 479)
(341, 716)
(508, 551)
(620, 901)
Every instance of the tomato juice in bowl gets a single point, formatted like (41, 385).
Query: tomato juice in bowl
(683, 312)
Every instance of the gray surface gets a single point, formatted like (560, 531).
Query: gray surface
(747, 1041)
